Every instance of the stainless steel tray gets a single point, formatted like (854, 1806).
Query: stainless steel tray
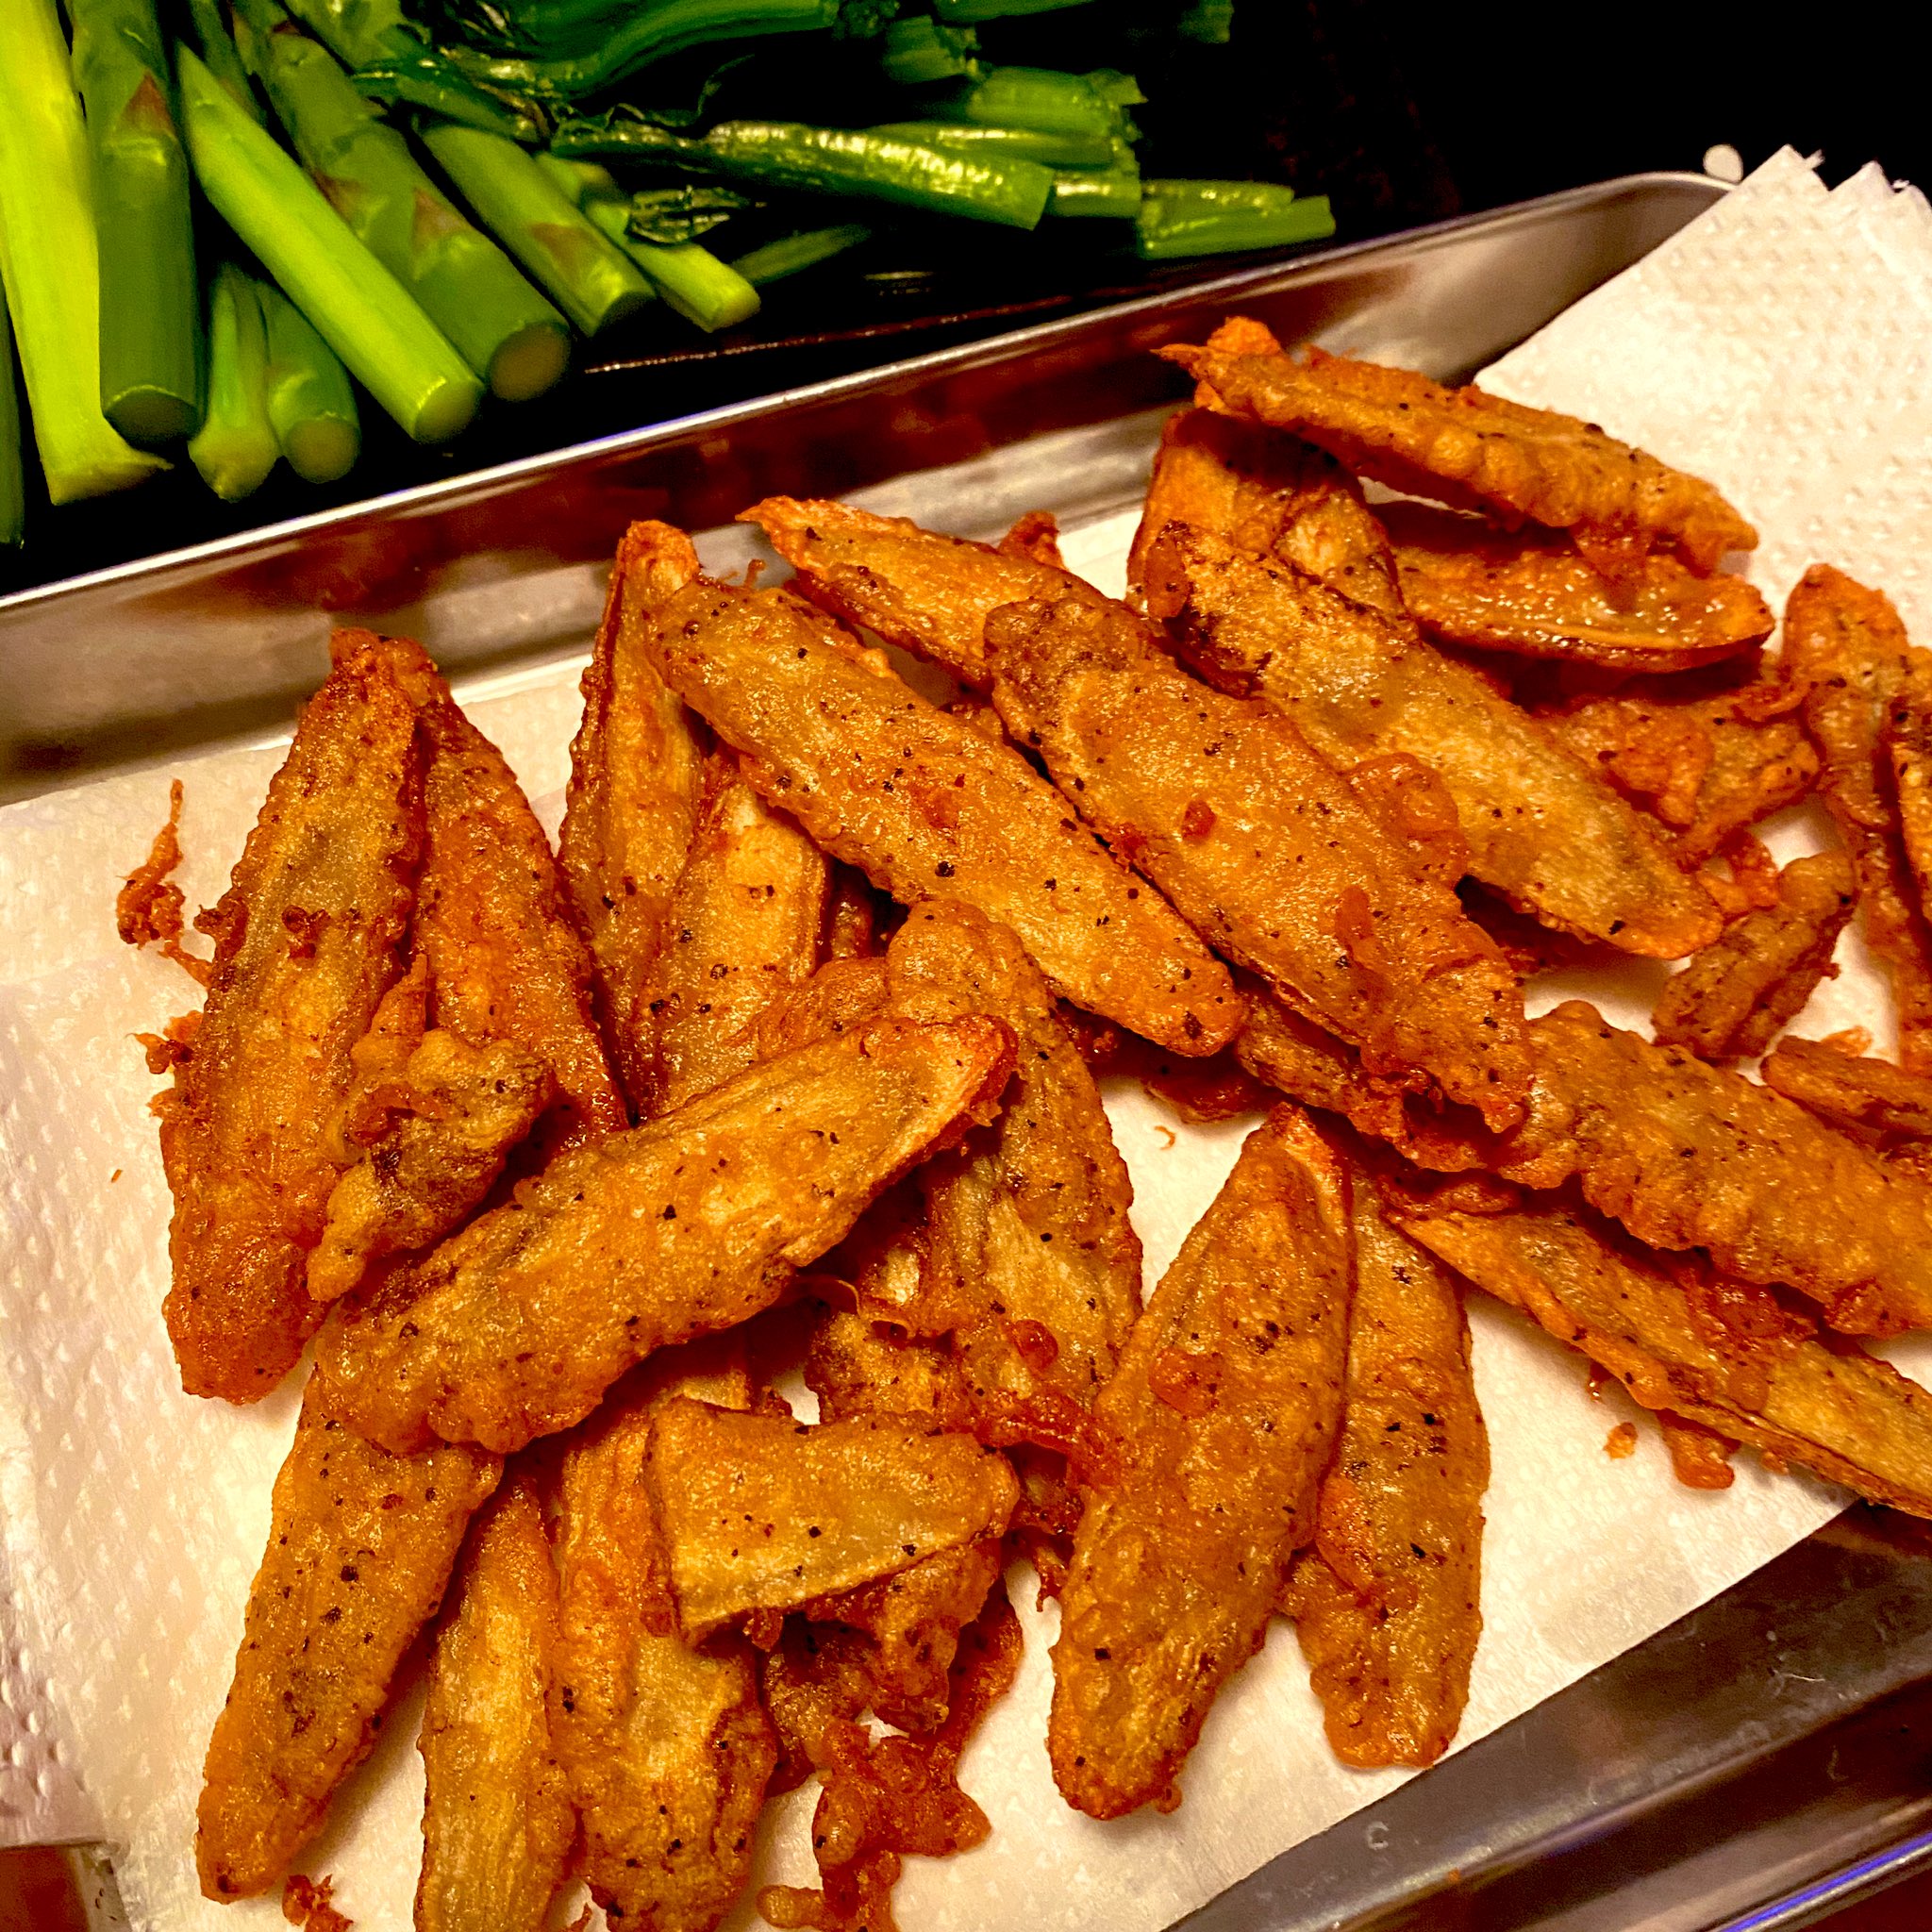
(1760, 1762)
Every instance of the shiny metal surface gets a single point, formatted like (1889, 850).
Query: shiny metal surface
(1760, 1763)
(506, 566)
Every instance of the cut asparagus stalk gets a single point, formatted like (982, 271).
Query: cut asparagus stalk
(235, 448)
(49, 262)
(593, 281)
(219, 55)
(150, 325)
(503, 328)
(12, 469)
(791, 255)
(364, 314)
(1182, 218)
(310, 405)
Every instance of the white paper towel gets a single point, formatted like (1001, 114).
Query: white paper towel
(131, 1517)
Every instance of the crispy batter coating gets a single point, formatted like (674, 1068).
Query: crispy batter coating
(667, 1750)
(635, 780)
(851, 915)
(1540, 828)
(856, 1364)
(928, 594)
(1851, 1091)
(505, 961)
(761, 1512)
(1708, 764)
(691, 1222)
(1532, 593)
(1388, 1600)
(1270, 495)
(458, 1111)
(360, 1545)
(1845, 646)
(1031, 1257)
(1690, 1156)
(1908, 748)
(1747, 1370)
(147, 909)
(841, 995)
(1475, 451)
(497, 1823)
(743, 926)
(1734, 997)
(1266, 850)
(1227, 1403)
(305, 944)
(929, 808)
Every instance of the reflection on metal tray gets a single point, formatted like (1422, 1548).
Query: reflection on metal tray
(505, 566)
(1759, 1763)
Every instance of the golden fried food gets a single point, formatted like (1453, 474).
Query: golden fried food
(1708, 764)
(1851, 1091)
(1541, 828)
(1386, 1602)
(927, 594)
(851, 916)
(1845, 646)
(856, 1364)
(1270, 495)
(1030, 1257)
(693, 1222)
(1532, 593)
(744, 927)
(841, 995)
(1476, 451)
(148, 907)
(1690, 1156)
(1709, 1351)
(360, 1545)
(636, 779)
(761, 1513)
(1227, 1406)
(929, 808)
(1734, 997)
(667, 1750)
(1265, 849)
(505, 961)
(1908, 750)
(448, 1126)
(307, 939)
(497, 1822)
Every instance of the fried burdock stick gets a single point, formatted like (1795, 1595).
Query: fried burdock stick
(1227, 1407)
(1865, 1096)
(1475, 451)
(929, 808)
(636, 784)
(1540, 826)
(306, 941)
(1285, 866)
(1386, 1602)
(1533, 594)
(1690, 1156)
(1683, 1340)
(667, 1749)
(497, 1823)
(360, 1545)
(1846, 645)
(1733, 999)
(689, 1223)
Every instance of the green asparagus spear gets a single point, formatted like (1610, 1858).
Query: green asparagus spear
(310, 405)
(364, 314)
(1112, 192)
(594, 282)
(12, 471)
(1182, 218)
(218, 54)
(359, 31)
(832, 161)
(235, 448)
(791, 255)
(1051, 102)
(150, 296)
(49, 261)
(691, 279)
(917, 51)
(502, 327)
(955, 12)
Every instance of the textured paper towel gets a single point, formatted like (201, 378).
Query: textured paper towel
(133, 1517)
